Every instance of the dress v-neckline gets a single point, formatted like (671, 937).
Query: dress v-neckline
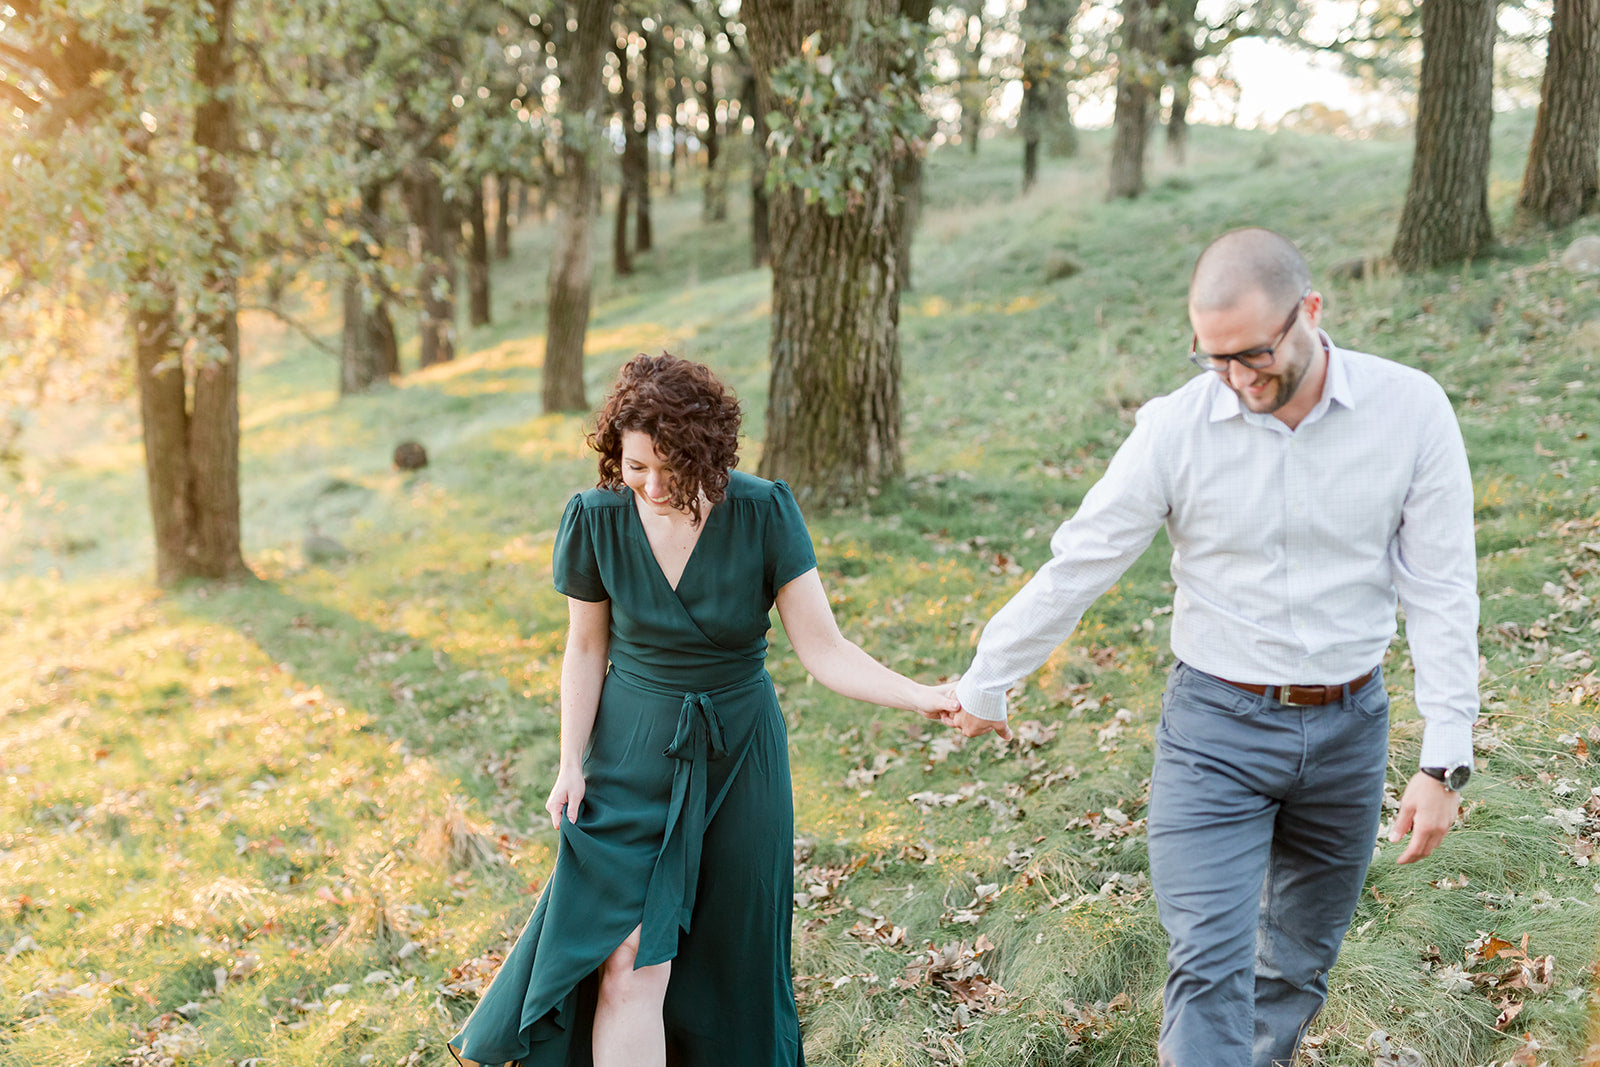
(638, 521)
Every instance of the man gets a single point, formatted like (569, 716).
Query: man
(1305, 488)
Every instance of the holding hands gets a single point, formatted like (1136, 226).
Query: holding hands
(942, 705)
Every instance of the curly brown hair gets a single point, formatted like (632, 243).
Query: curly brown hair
(691, 418)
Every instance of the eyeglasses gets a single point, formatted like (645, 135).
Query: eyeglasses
(1254, 358)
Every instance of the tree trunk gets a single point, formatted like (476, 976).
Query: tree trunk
(214, 414)
(908, 191)
(436, 335)
(1177, 33)
(363, 358)
(1560, 181)
(1131, 121)
(503, 183)
(1446, 214)
(570, 266)
(621, 261)
(628, 183)
(1035, 89)
(477, 257)
(381, 332)
(358, 356)
(973, 89)
(1178, 120)
(164, 416)
(833, 409)
(380, 327)
(714, 206)
(675, 101)
(760, 226)
(1031, 123)
(1046, 117)
(643, 236)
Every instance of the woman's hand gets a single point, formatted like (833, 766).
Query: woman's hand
(937, 702)
(566, 793)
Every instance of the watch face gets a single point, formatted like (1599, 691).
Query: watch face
(1456, 777)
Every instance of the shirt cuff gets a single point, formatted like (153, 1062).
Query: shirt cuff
(979, 703)
(1445, 744)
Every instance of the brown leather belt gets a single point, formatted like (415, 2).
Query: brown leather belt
(1304, 696)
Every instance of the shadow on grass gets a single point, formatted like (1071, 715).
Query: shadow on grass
(454, 715)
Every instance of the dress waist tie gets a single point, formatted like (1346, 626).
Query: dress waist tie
(669, 898)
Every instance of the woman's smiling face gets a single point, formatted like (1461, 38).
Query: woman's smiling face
(645, 472)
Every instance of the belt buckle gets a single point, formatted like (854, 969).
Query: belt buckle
(1289, 702)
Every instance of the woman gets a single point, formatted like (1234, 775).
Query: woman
(665, 924)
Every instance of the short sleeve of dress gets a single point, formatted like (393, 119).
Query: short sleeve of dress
(573, 564)
(789, 553)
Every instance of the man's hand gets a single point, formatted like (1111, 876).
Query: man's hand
(972, 726)
(1427, 811)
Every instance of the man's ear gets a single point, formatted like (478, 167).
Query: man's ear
(1313, 309)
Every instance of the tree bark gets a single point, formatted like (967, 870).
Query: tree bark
(1131, 121)
(1561, 181)
(164, 416)
(380, 327)
(362, 359)
(760, 210)
(1446, 214)
(214, 415)
(1046, 118)
(1031, 123)
(714, 206)
(973, 92)
(358, 356)
(425, 201)
(477, 257)
(381, 332)
(1178, 50)
(503, 184)
(675, 101)
(833, 410)
(629, 182)
(643, 235)
(571, 269)
(1178, 120)
(621, 261)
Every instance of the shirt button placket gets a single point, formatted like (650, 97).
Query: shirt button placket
(1294, 540)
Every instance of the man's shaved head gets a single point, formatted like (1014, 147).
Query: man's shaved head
(1245, 261)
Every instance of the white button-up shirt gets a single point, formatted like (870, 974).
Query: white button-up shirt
(1290, 547)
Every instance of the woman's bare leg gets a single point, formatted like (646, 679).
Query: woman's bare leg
(628, 1031)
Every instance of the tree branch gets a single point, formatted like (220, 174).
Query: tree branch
(19, 99)
(21, 58)
(296, 325)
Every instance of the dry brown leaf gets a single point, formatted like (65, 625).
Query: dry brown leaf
(1487, 948)
(1527, 1055)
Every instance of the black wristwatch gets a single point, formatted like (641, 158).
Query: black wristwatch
(1452, 777)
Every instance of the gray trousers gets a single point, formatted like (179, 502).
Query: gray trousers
(1262, 821)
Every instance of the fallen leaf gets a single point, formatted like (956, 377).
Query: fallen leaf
(1487, 947)
(1527, 1055)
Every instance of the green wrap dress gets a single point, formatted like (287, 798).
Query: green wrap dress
(687, 822)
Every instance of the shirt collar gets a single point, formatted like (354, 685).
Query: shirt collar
(1336, 386)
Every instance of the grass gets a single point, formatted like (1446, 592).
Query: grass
(293, 821)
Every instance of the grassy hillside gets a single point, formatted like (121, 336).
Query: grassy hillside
(295, 821)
